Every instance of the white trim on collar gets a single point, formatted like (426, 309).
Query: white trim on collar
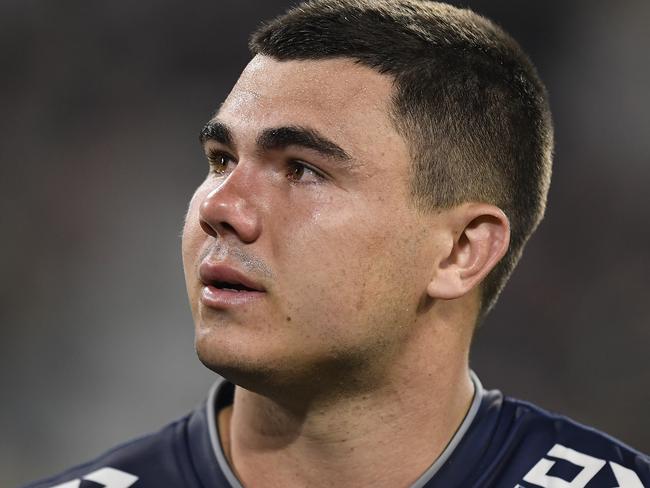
(457, 437)
(419, 483)
(214, 435)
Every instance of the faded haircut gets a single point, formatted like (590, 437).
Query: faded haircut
(467, 100)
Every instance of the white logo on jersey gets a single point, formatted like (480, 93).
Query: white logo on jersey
(626, 478)
(109, 477)
(538, 475)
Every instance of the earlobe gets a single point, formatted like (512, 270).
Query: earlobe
(482, 241)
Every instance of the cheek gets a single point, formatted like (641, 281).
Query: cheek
(348, 274)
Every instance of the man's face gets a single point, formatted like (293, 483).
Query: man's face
(306, 203)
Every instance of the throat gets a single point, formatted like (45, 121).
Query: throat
(379, 442)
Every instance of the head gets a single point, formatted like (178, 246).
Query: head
(378, 166)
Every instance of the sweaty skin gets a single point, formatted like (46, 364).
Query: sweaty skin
(352, 369)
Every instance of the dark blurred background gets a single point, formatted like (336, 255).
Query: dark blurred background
(101, 104)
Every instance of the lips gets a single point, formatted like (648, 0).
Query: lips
(225, 286)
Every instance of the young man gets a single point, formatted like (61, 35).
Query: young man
(374, 175)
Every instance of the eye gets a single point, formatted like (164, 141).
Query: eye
(219, 162)
(299, 172)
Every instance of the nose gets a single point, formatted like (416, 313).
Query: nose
(230, 209)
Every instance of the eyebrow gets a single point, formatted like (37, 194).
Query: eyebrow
(282, 137)
(279, 138)
(216, 131)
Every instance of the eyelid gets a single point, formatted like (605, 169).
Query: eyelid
(318, 170)
(314, 177)
(213, 152)
(310, 167)
(220, 162)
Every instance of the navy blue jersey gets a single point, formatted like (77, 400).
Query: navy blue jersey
(501, 443)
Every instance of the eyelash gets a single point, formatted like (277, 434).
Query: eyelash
(318, 177)
(214, 160)
(217, 158)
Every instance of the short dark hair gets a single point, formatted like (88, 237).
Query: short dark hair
(467, 99)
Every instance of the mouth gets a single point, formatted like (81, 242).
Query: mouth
(226, 287)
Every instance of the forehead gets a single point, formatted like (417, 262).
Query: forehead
(338, 97)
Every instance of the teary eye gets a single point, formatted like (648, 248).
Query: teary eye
(219, 162)
(299, 172)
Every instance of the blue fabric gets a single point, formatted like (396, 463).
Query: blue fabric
(509, 444)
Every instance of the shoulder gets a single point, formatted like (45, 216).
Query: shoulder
(545, 449)
(158, 459)
(542, 425)
(184, 454)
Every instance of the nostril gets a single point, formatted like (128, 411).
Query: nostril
(220, 228)
(225, 227)
(207, 228)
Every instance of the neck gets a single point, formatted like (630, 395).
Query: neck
(387, 436)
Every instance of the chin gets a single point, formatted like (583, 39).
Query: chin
(244, 361)
(268, 367)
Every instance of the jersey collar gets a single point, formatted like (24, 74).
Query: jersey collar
(221, 395)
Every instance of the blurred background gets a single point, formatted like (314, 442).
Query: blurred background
(101, 104)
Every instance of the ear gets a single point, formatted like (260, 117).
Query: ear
(480, 237)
